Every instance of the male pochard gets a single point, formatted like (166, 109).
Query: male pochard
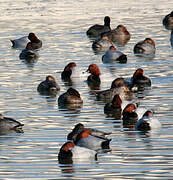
(113, 55)
(70, 152)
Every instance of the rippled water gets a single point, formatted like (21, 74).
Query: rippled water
(61, 25)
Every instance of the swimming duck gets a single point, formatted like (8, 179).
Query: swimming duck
(97, 29)
(139, 80)
(93, 80)
(29, 53)
(147, 122)
(130, 117)
(48, 86)
(20, 42)
(113, 55)
(86, 139)
(72, 96)
(69, 152)
(117, 105)
(80, 127)
(114, 107)
(66, 74)
(145, 47)
(120, 35)
(36, 43)
(168, 21)
(118, 86)
(102, 44)
(8, 125)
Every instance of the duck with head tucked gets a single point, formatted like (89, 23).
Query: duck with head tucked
(113, 55)
(101, 44)
(72, 96)
(120, 35)
(9, 125)
(69, 152)
(145, 47)
(48, 86)
(86, 139)
(97, 29)
(118, 86)
(93, 80)
(80, 127)
(168, 21)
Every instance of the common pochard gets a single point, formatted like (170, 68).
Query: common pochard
(70, 152)
(113, 55)
(48, 86)
(145, 47)
(67, 72)
(80, 127)
(86, 139)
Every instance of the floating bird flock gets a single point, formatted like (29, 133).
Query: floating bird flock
(82, 142)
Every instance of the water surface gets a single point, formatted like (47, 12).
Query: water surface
(61, 25)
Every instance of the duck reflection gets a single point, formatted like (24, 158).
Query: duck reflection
(67, 169)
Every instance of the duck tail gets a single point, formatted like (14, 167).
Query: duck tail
(105, 144)
(12, 41)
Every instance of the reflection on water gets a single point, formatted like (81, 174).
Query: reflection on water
(62, 28)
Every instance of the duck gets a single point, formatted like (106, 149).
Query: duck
(72, 96)
(118, 86)
(87, 140)
(36, 43)
(48, 86)
(93, 80)
(67, 72)
(148, 122)
(101, 44)
(29, 53)
(168, 21)
(139, 80)
(20, 43)
(113, 55)
(8, 125)
(120, 35)
(96, 30)
(80, 127)
(130, 117)
(117, 105)
(69, 152)
(132, 113)
(145, 47)
(114, 107)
